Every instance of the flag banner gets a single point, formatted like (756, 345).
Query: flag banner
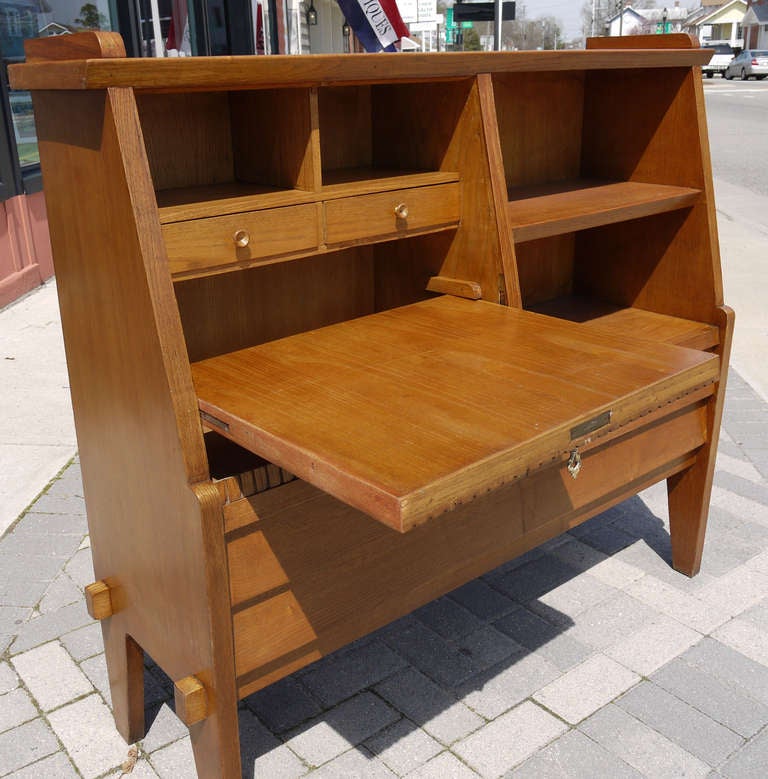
(376, 23)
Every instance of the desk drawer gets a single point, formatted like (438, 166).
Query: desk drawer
(394, 213)
(199, 244)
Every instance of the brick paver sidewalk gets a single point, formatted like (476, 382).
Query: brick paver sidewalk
(588, 657)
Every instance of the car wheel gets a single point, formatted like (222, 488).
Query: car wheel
(710, 74)
(744, 76)
(727, 76)
(759, 78)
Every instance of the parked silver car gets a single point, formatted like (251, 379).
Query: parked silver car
(749, 63)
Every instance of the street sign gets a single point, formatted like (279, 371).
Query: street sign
(482, 12)
(466, 25)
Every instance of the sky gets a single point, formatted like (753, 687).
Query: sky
(567, 11)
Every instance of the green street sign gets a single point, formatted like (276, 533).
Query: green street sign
(466, 25)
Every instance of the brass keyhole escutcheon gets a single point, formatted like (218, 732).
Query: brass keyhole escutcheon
(401, 211)
(574, 463)
(242, 238)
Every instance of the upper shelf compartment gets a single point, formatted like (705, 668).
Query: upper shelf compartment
(239, 151)
(553, 209)
(383, 137)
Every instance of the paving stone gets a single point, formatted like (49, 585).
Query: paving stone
(16, 707)
(175, 761)
(745, 637)
(508, 740)
(607, 539)
(483, 601)
(353, 764)
(737, 466)
(164, 729)
(340, 728)
(679, 605)
(574, 597)
(660, 569)
(49, 626)
(95, 668)
(54, 767)
(736, 591)
(80, 568)
(534, 579)
(487, 647)
(20, 544)
(754, 489)
(141, 770)
(262, 754)
(87, 731)
(574, 756)
(84, 642)
(585, 688)
(8, 679)
(609, 621)
(758, 614)
(598, 565)
(448, 619)
(283, 705)
(751, 762)
(403, 747)
(730, 667)
(498, 690)
(430, 653)
(444, 766)
(22, 592)
(429, 706)
(536, 634)
(26, 744)
(746, 508)
(59, 504)
(53, 524)
(12, 618)
(689, 728)
(51, 675)
(26, 566)
(743, 714)
(349, 671)
(61, 592)
(654, 644)
(643, 748)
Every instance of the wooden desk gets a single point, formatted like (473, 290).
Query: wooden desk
(470, 300)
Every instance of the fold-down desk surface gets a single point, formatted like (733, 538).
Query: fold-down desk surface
(408, 412)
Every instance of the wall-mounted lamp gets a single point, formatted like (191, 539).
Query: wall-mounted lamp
(346, 30)
(311, 14)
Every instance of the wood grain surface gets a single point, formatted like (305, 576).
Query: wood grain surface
(406, 413)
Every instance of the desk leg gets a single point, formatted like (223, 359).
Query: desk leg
(125, 665)
(689, 491)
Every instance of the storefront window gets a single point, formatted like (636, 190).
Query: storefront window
(21, 19)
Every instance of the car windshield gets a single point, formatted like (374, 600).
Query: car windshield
(760, 53)
(721, 49)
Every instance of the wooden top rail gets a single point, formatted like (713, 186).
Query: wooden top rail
(241, 72)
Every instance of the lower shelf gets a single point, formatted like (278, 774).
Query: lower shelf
(618, 320)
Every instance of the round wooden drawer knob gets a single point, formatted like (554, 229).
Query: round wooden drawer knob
(401, 211)
(242, 239)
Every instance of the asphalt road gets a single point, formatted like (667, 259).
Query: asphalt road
(737, 117)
